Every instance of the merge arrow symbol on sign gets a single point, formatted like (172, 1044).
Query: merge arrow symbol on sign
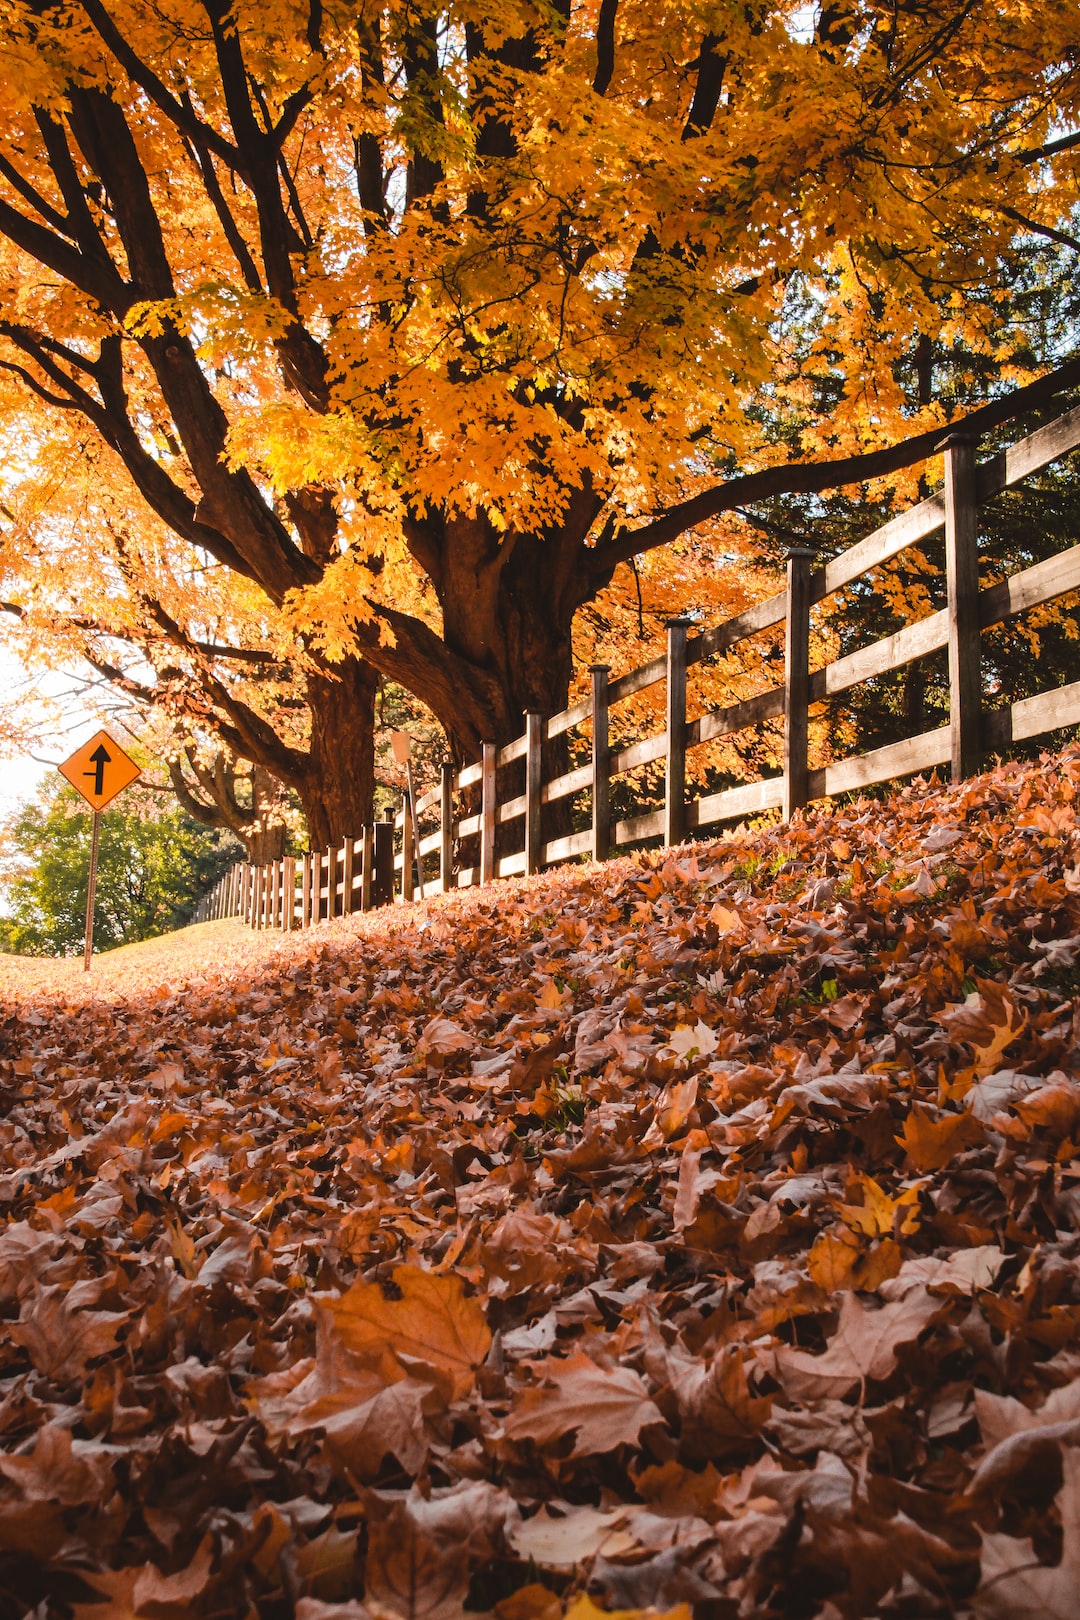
(99, 759)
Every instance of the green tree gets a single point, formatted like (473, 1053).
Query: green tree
(153, 865)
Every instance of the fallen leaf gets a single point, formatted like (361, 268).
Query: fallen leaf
(863, 1347)
(1015, 1585)
(603, 1408)
(433, 1324)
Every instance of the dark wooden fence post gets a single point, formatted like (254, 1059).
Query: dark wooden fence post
(797, 681)
(487, 815)
(962, 579)
(446, 827)
(675, 774)
(382, 878)
(534, 785)
(367, 867)
(601, 760)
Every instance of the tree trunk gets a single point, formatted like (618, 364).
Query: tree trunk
(265, 844)
(340, 780)
(507, 613)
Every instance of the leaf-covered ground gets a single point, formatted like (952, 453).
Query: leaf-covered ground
(699, 1229)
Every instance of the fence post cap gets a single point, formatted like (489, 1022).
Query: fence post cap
(599, 669)
(958, 436)
(801, 551)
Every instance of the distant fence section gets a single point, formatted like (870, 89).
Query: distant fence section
(498, 807)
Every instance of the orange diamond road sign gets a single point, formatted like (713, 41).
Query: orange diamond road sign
(100, 770)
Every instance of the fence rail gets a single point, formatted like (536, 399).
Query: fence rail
(379, 864)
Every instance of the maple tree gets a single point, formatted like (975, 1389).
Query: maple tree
(194, 659)
(217, 793)
(420, 323)
(699, 1228)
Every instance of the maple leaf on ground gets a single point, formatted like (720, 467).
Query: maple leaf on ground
(60, 1337)
(673, 1108)
(963, 1273)
(838, 1261)
(442, 1038)
(931, 1143)
(473, 1514)
(361, 1433)
(989, 1022)
(1015, 1585)
(432, 1325)
(999, 1416)
(60, 1470)
(410, 1574)
(603, 1408)
(863, 1346)
(698, 1041)
(719, 1414)
(562, 1540)
(144, 1593)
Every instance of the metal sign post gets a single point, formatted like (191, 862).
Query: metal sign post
(91, 887)
(99, 770)
(401, 743)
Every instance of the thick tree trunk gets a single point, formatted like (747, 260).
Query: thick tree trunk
(510, 619)
(265, 844)
(340, 780)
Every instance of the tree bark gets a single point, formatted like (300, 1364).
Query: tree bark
(339, 783)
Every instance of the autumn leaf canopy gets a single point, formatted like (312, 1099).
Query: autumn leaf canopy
(420, 320)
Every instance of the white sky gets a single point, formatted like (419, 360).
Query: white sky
(21, 774)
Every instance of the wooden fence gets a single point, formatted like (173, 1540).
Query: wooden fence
(379, 865)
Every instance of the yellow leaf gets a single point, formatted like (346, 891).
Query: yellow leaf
(837, 1262)
(932, 1143)
(583, 1608)
(879, 1215)
(433, 1323)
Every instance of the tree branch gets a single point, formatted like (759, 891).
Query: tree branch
(183, 117)
(1049, 231)
(605, 45)
(1064, 143)
(812, 477)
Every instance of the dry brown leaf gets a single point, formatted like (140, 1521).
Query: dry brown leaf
(408, 1574)
(931, 1143)
(863, 1347)
(1015, 1585)
(602, 1407)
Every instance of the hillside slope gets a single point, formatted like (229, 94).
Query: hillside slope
(698, 1229)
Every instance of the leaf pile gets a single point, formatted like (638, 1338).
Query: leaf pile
(701, 1229)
